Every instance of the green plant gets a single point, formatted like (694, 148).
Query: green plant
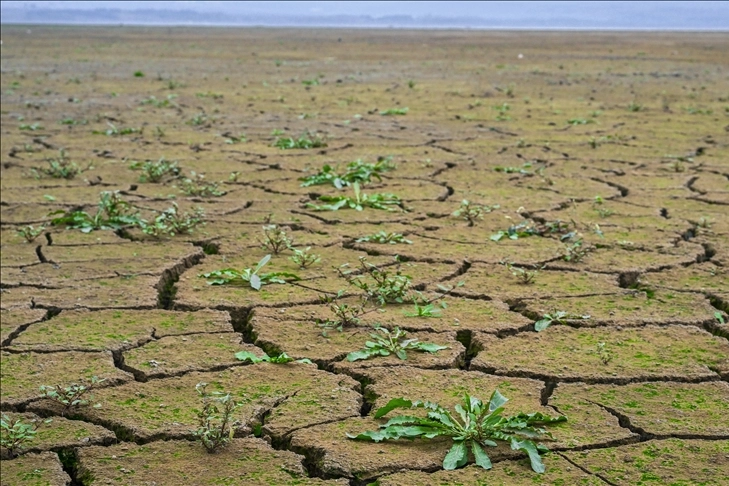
(580, 121)
(249, 276)
(280, 359)
(472, 212)
(112, 213)
(395, 111)
(575, 251)
(386, 202)
(426, 310)
(199, 119)
(383, 237)
(605, 354)
(523, 275)
(32, 127)
(633, 106)
(514, 170)
(72, 396)
(479, 426)
(58, 168)
(156, 171)
(719, 317)
(138, 74)
(345, 315)
(216, 424)
(30, 233)
(113, 131)
(171, 222)
(210, 94)
(604, 212)
(275, 239)
(521, 230)
(379, 285)
(15, 433)
(503, 109)
(231, 139)
(411, 84)
(386, 342)
(197, 186)
(357, 171)
(160, 103)
(303, 258)
(307, 141)
(558, 317)
(310, 82)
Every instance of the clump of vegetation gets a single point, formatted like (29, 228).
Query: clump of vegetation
(197, 186)
(514, 170)
(345, 315)
(171, 222)
(357, 171)
(160, 103)
(386, 342)
(383, 237)
(386, 202)
(471, 212)
(516, 231)
(395, 111)
(30, 233)
(556, 317)
(216, 423)
(427, 309)
(275, 239)
(604, 353)
(280, 359)
(523, 275)
(113, 131)
(156, 171)
(303, 258)
(113, 213)
(32, 127)
(474, 424)
(378, 284)
(249, 277)
(70, 397)
(15, 433)
(307, 141)
(58, 168)
(576, 251)
(502, 110)
(635, 107)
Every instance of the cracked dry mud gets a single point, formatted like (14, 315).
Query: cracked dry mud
(536, 123)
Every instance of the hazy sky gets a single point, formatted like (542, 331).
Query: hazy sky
(609, 13)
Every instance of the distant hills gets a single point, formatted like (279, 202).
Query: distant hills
(647, 17)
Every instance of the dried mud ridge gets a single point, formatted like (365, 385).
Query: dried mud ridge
(630, 153)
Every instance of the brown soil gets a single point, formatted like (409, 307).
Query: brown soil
(617, 140)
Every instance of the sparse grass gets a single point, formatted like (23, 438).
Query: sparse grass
(216, 422)
(307, 141)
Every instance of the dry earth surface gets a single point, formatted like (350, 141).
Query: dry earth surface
(604, 155)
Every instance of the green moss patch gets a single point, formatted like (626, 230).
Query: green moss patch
(562, 353)
(42, 469)
(243, 461)
(82, 330)
(289, 396)
(660, 409)
(672, 461)
(175, 355)
(23, 373)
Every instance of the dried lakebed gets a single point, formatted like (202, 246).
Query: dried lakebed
(568, 182)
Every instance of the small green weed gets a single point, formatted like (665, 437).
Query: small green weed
(379, 285)
(280, 359)
(15, 433)
(523, 275)
(426, 310)
(250, 277)
(58, 168)
(386, 342)
(521, 230)
(556, 317)
(275, 239)
(383, 237)
(308, 141)
(216, 423)
(395, 111)
(30, 233)
(197, 186)
(171, 222)
(303, 258)
(72, 396)
(471, 212)
(386, 202)
(112, 213)
(357, 171)
(156, 171)
(479, 426)
(113, 131)
(576, 251)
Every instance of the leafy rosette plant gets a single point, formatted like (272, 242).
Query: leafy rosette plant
(249, 276)
(475, 425)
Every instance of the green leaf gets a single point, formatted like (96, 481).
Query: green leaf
(261, 263)
(255, 282)
(456, 457)
(430, 347)
(542, 324)
(482, 459)
(531, 449)
(248, 356)
(362, 354)
(497, 401)
(392, 405)
(400, 353)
